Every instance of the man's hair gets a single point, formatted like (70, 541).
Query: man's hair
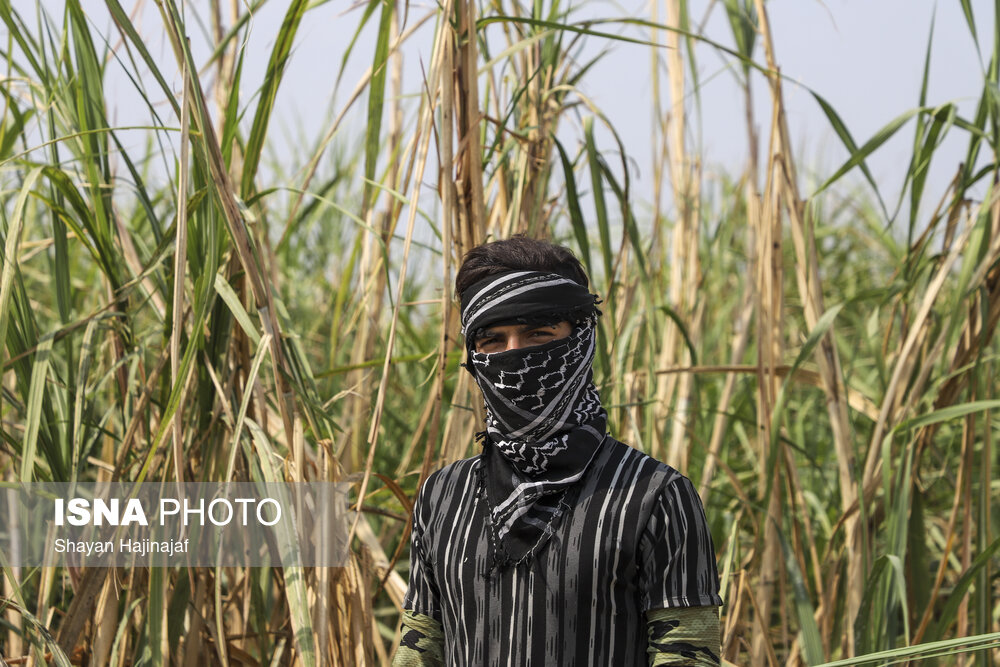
(518, 253)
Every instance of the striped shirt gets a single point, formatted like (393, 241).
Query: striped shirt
(633, 539)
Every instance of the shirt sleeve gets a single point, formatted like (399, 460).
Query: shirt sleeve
(422, 639)
(422, 593)
(676, 550)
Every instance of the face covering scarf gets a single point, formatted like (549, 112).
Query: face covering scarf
(544, 420)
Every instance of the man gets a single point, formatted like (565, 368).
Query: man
(557, 545)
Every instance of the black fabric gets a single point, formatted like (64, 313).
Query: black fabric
(633, 538)
(544, 420)
(523, 296)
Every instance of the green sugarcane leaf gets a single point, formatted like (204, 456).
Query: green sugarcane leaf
(269, 91)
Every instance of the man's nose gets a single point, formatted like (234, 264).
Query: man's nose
(514, 342)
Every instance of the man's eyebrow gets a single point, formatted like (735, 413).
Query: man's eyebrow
(488, 333)
(521, 328)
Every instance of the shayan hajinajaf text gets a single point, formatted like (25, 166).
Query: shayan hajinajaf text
(135, 547)
(218, 512)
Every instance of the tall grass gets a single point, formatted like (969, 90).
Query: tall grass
(823, 368)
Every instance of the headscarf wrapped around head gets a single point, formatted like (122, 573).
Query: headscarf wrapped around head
(530, 297)
(544, 420)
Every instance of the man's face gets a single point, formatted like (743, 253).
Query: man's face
(504, 337)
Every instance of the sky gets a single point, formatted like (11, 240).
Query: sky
(865, 57)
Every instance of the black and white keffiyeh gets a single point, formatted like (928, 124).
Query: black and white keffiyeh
(544, 420)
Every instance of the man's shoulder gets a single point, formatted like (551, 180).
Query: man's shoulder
(455, 472)
(633, 465)
(443, 490)
(645, 483)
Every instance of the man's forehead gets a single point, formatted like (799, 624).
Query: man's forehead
(514, 326)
